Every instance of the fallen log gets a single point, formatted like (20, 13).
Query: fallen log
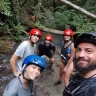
(51, 30)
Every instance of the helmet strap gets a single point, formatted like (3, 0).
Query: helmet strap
(30, 40)
(24, 76)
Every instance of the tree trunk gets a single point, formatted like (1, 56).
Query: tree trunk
(52, 30)
(79, 8)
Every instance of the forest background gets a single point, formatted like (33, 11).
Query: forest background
(19, 16)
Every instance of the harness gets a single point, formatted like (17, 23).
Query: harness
(65, 51)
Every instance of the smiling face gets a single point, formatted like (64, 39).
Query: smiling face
(85, 58)
(67, 38)
(47, 43)
(32, 72)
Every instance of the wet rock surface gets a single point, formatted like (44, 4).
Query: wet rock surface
(6, 73)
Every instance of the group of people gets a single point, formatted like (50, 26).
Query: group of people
(77, 51)
(27, 63)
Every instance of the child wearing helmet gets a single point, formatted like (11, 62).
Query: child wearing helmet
(26, 48)
(22, 85)
(47, 48)
(67, 55)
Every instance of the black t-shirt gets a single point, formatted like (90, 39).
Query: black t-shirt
(79, 86)
(45, 50)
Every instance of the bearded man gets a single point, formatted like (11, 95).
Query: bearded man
(84, 82)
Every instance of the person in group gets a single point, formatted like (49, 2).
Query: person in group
(84, 82)
(47, 47)
(67, 55)
(22, 85)
(26, 48)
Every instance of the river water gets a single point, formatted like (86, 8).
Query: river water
(44, 85)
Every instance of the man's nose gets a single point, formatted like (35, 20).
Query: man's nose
(82, 53)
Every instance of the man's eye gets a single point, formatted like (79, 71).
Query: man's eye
(89, 51)
(78, 50)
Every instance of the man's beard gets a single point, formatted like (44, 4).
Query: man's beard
(47, 45)
(90, 66)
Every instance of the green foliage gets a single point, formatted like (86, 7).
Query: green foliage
(5, 7)
(39, 25)
(90, 5)
(30, 6)
(49, 13)
(11, 24)
(48, 17)
(17, 31)
(1, 25)
(63, 17)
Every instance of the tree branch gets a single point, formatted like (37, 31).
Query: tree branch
(51, 30)
(79, 8)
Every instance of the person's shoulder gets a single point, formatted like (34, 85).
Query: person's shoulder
(41, 43)
(12, 87)
(52, 44)
(72, 45)
(14, 81)
(24, 43)
(92, 90)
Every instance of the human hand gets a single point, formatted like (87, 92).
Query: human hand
(17, 73)
(52, 59)
(65, 69)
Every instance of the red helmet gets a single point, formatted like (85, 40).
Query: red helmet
(68, 32)
(48, 37)
(35, 32)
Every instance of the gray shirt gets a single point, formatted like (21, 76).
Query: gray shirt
(15, 88)
(23, 50)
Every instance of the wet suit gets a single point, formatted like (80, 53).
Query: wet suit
(65, 52)
(79, 86)
(15, 88)
(43, 50)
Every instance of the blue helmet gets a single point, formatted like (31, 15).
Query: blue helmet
(34, 59)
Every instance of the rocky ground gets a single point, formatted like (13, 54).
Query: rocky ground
(44, 85)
